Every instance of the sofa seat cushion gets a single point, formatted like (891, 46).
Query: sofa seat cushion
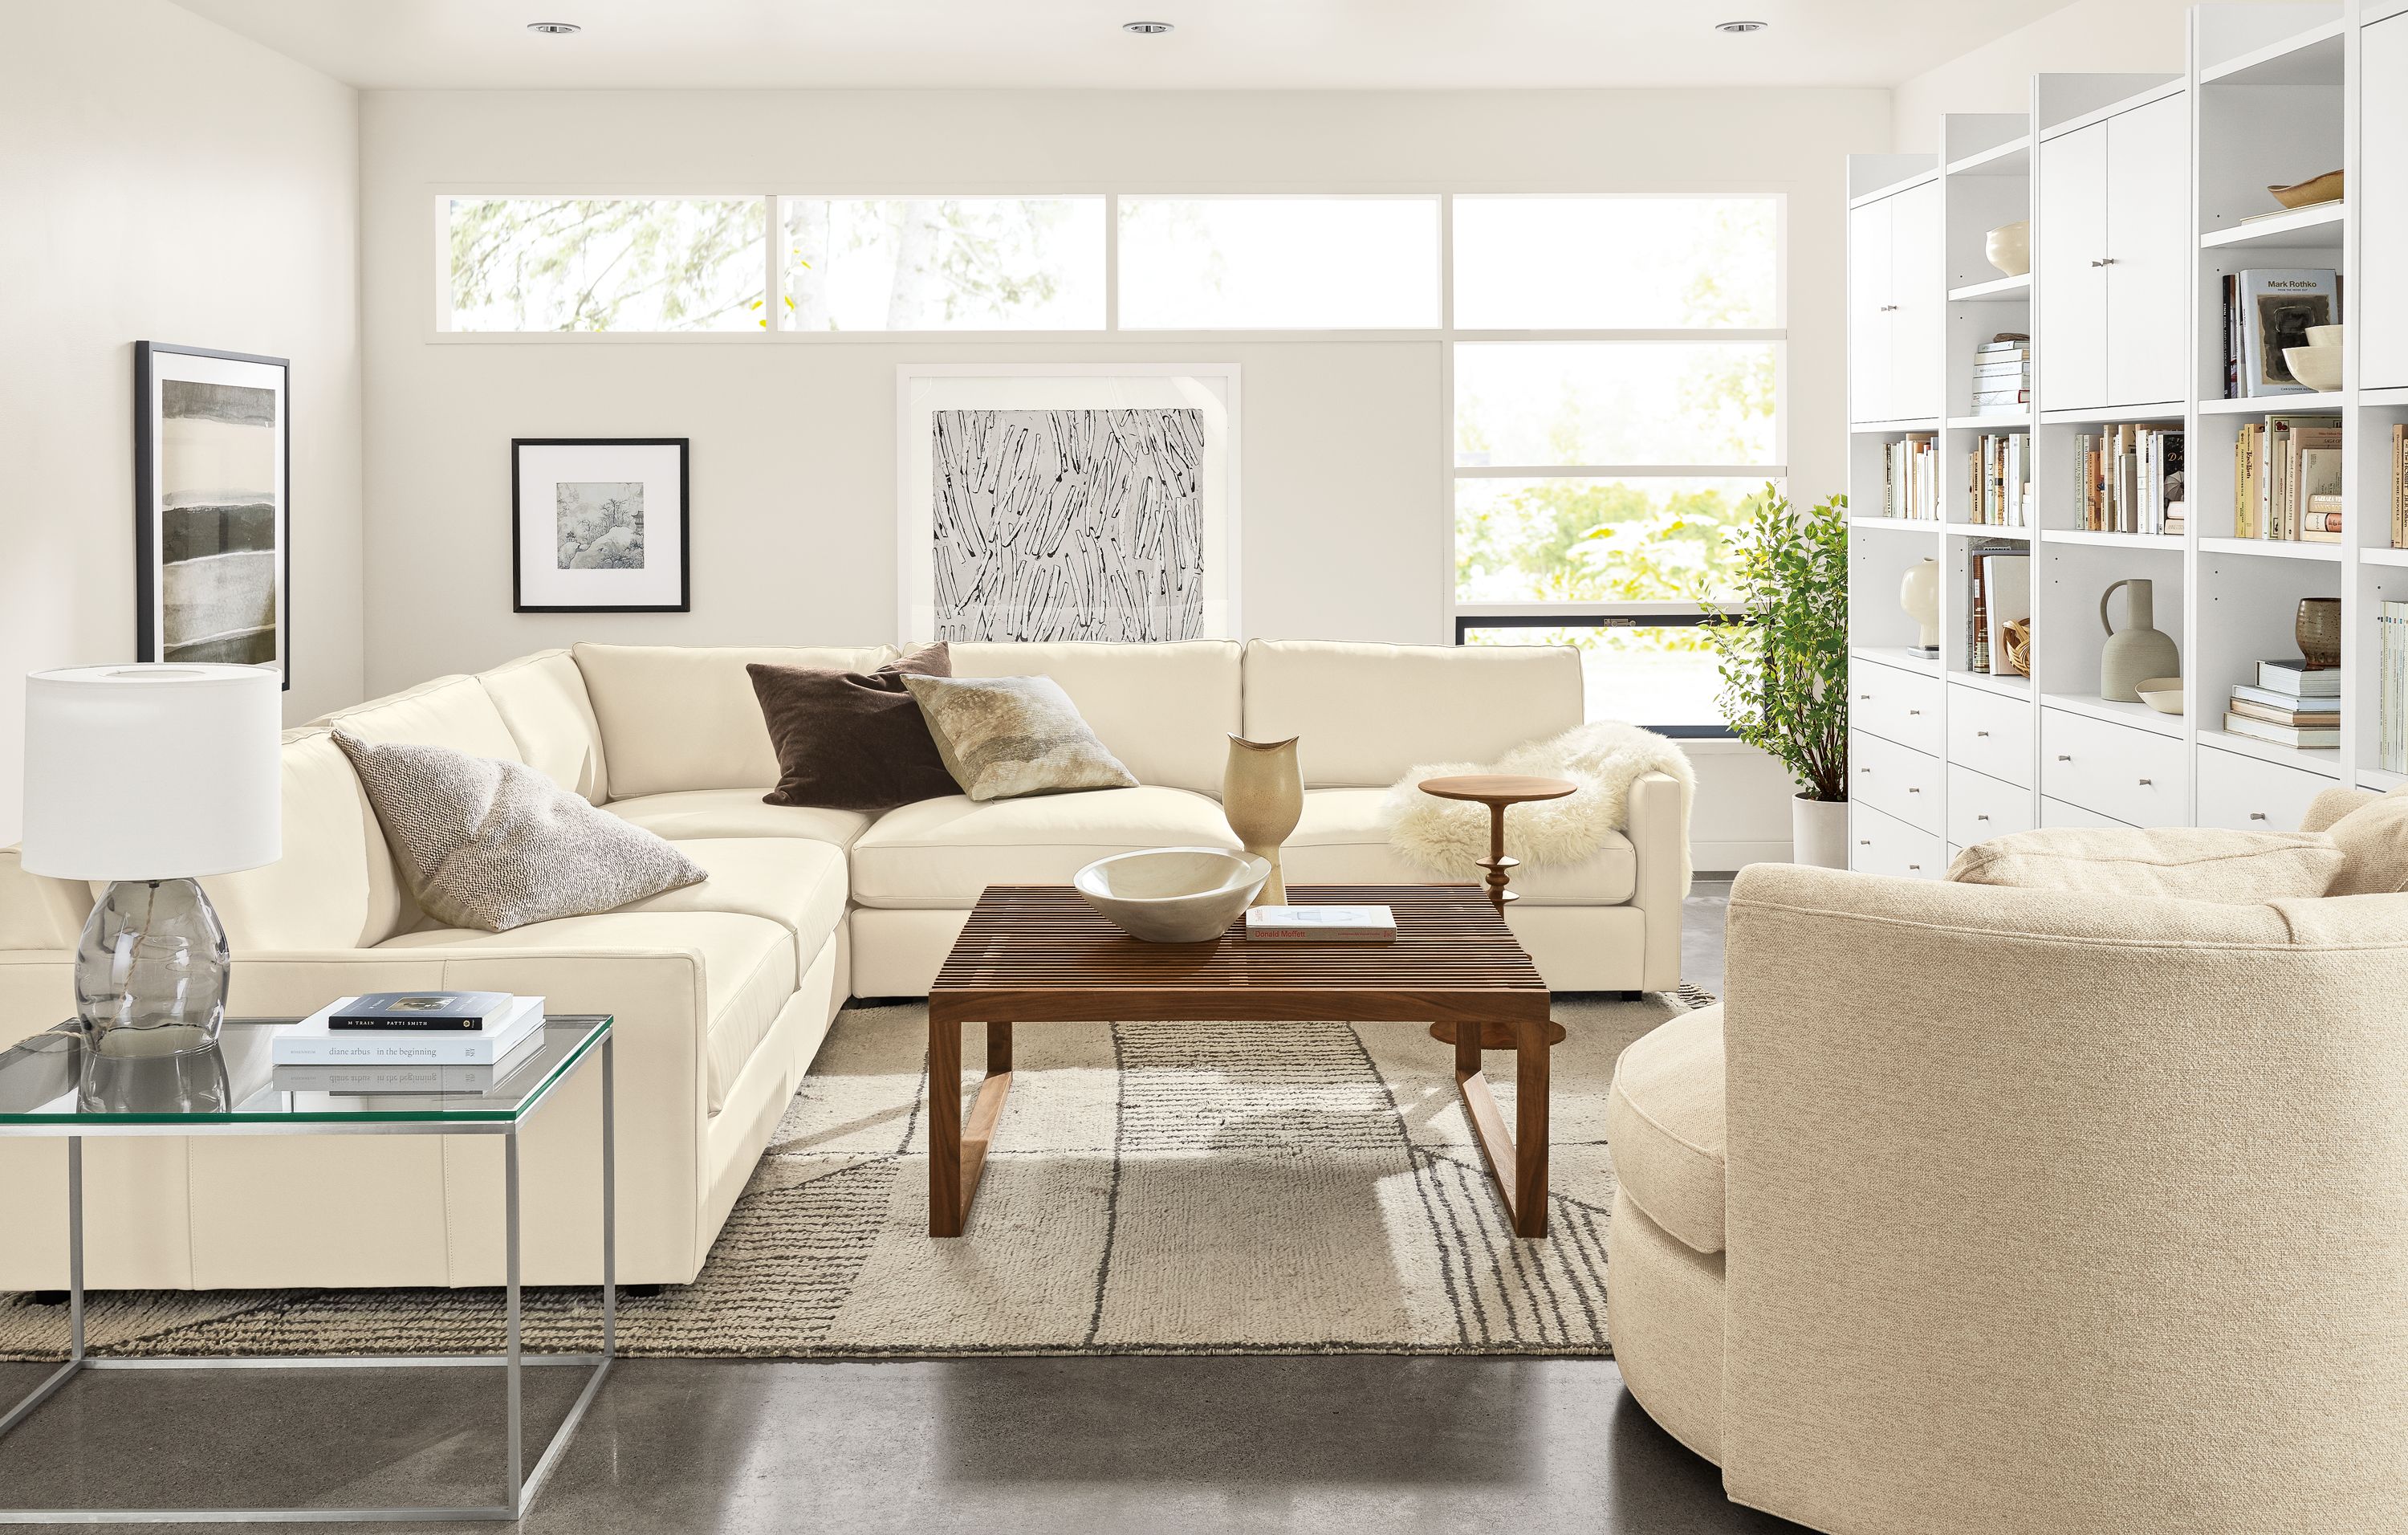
(1340, 841)
(794, 882)
(1664, 1123)
(689, 815)
(939, 854)
(748, 968)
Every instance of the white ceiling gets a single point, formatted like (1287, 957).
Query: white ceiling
(1219, 44)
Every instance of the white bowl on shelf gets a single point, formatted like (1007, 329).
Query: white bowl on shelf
(2319, 367)
(1173, 894)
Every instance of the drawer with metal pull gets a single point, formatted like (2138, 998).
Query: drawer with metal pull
(1897, 705)
(2056, 813)
(1990, 734)
(2247, 794)
(1882, 844)
(1894, 779)
(1981, 807)
(2122, 771)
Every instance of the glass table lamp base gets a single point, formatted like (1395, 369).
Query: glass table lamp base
(150, 970)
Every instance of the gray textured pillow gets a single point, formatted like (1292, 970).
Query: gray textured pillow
(494, 844)
(1005, 736)
(2188, 863)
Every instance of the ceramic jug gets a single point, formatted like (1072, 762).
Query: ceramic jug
(2137, 651)
(1262, 795)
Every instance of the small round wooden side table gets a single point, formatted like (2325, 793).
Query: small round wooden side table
(1498, 791)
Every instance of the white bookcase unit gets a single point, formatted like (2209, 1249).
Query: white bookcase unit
(2144, 191)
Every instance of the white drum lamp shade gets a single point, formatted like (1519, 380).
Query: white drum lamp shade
(156, 771)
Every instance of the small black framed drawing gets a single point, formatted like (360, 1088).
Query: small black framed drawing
(213, 506)
(598, 525)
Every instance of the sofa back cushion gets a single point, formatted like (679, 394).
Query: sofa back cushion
(454, 711)
(1166, 709)
(686, 717)
(542, 699)
(335, 886)
(1365, 713)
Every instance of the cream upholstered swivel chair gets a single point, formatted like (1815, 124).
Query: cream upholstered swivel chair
(1976, 1209)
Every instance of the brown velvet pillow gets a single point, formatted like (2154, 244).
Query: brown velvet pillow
(849, 741)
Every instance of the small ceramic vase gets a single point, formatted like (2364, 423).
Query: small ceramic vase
(1262, 795)
(2318, 629)
(1919, 594)
(2137, 651)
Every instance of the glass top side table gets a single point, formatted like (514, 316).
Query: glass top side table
(50, 1085)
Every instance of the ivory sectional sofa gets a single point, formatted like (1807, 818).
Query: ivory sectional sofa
(723, 990)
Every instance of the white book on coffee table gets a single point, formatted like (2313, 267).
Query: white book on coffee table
(312, 1043)
(1321, 923)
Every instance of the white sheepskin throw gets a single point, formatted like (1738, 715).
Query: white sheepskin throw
(1450, 836)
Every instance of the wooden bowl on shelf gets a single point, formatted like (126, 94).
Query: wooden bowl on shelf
(2307, 193)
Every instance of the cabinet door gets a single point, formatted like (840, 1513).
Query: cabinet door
(2069, 242)
(1868, 328)
(2150, 247)
(1914, 288)
(2378, 296)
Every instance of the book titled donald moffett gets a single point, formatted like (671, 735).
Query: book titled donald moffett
(1322, 925)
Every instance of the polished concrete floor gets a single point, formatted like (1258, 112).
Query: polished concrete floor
(1001, 1445)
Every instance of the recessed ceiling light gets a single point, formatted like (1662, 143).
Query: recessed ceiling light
(1741, 26)
(554, 29)
(1146, 29)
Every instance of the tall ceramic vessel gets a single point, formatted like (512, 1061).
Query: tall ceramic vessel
(1262, 793)
(2137, 651)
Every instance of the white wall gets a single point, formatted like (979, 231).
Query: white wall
(1345, 492)
(164, 180)
(2102, 36)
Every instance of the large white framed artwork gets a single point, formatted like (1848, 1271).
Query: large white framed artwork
(1067, 501)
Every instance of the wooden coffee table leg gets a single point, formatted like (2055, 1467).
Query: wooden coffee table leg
(956, 1154)
(1530, 1093)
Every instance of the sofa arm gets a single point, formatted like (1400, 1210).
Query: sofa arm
(2054, 1211)
(277, 1211)
(1658, 829)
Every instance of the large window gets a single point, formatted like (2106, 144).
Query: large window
(1616, 363)
(1617, 412)
(605, 263)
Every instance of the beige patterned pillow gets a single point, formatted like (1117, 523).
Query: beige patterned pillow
(494, 844)
(1005, 736)
(2373, 840)
(2188, 863)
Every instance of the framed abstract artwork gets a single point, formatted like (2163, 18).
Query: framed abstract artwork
(212, 512)
(1062, 501)
(598, 525)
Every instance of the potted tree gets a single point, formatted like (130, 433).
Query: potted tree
(1781, 643)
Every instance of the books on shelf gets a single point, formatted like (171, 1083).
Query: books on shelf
(1320, 923)
(2130, 478)
(2279, 465)
(1997, 579)
(2400, 487)
(1911, 476)
(2002, 375)
(2267, 309)
(1999, 483)
(2311, 738)
(2391, 687)
(2295, 679)
(313, 1041)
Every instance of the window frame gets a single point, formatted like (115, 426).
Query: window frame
(1464, 616)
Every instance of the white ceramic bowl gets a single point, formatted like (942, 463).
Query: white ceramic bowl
(2162, 693)
(2319, 367)
(2009, 247)
(1173, 894)
(2325, 336)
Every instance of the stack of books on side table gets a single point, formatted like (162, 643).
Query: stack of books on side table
(409, 1041)
(2292, 705)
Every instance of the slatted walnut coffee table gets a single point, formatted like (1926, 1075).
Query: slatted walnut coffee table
(1033, 953)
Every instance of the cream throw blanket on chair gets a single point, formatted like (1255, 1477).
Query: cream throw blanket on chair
(1604, 758)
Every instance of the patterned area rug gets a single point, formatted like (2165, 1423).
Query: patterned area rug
(1206, 1188)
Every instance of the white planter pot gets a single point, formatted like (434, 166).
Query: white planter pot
(1818, 832)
